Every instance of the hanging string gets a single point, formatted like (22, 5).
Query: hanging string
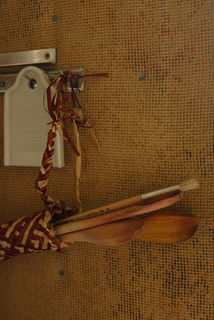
(78, 166)
(57, 98)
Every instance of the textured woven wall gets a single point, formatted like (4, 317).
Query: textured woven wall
(154, 132)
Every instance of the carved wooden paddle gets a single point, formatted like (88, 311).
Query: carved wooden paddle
(164, 227)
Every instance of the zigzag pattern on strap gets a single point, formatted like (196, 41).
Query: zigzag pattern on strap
(47, 164)
(57, 208)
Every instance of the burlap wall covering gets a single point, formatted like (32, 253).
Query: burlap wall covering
(154, 132)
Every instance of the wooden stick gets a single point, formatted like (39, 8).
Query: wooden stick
(116, 215)
(139, 199)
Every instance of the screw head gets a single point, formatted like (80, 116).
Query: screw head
(33, 83)
(54, 18)
(61, 272)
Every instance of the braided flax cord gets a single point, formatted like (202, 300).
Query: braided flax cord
(56, 108)
(56, 208)
(47, 163)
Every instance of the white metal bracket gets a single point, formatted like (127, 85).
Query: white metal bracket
(41, 56)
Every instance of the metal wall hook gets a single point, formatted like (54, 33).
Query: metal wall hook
(8, 79)
(42, 56)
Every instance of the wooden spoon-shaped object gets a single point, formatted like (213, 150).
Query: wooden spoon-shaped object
(111, 234)
(169, 227)
(159, 227)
